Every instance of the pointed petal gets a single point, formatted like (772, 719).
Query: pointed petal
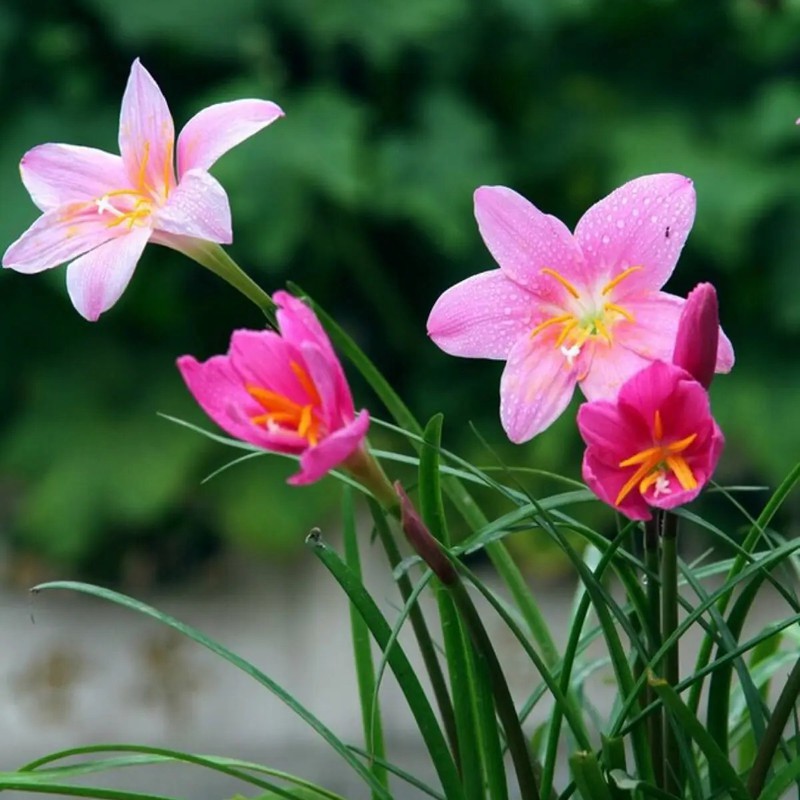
(725, 357)
(610, 367)
(299, 324)
(536, 386)
(96, 280)
(606, 482)
(643, 223)
(483, 316)
(523, 241)
(146, 134)
(337, 402)
(317, 461)
(213, 131)
(58, 236)
(58, 174)
(197, 207)
(603, 428)
(652, 334)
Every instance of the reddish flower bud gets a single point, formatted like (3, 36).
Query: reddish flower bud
(698, 334)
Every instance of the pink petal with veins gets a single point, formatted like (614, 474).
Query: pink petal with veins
(146, 134)
(58, 174)
(643, 223)
(213, 131)
(483, 316)
(523, 240)
(96, 280)
(198, 206)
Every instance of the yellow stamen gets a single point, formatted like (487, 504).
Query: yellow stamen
(306, 382)
(568, 326)
(562, 280)
(641, 458)
(682, 472)
(682, 444)
(602, 330)
(272, 401)
(623, 312)
(621, 277)
(552, 321)
(632, 481)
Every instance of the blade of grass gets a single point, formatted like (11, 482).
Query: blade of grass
(230, 657)
(362, 652)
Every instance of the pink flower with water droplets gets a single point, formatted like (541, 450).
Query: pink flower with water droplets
(100, 210)
(284, 392)
(656, 445)
(570, 309)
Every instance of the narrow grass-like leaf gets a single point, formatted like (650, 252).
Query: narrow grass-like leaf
(588, 776)
(426, 721)
(405, 776)
(30, 782)
(232, 658)
(457, 647)
(717, 760)
(362, 651)
(782, 780)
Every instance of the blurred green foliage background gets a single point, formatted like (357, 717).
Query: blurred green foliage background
(396, 110)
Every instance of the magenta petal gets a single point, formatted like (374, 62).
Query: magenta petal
(96, 280)
(197, 207)
(606, 481)
(605, 430)
(213, 131)
(643, 223)
(299, 324)
(57, 174)
(536, 386)
(146, 133)
(523, 241)
(58, 236)
(483, 316)
(317, 461)
(331, 385)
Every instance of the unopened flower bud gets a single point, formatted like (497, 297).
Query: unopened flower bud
(698, 334)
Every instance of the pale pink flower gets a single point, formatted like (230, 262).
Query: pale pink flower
(100, 210)
(284, 392)
(697, 340)
(655, 445)
(567, 309)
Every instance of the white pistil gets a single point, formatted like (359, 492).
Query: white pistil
(571, 353)
(662, 485)
(103, 204)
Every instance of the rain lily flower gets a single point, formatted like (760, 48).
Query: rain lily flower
(99, 210)
(655, 445)
(697, 341)
(284, 392)
(567, 309)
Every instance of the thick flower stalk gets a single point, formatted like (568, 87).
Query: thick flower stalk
(569, 309)
(285, 392)
(99, 210)
(656, 445)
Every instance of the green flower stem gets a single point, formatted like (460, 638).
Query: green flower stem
(655, 721)
(669, 624)
(214, 258)
(420, 628)
(786, 704)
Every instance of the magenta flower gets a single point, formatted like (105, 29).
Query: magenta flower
(697, 340)
(284, 392)
(100, 210)
(655, 445)
(567, 309)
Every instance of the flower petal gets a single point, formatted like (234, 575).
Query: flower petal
(197, 207)
(606, 482)
(317, 461)
(483, 316)
(146, 134)
(58, 174)
(652, 334)
(536, 386)
(605, 430)
(299, 324)
(610, 367)
(216, 129)
(96, 280)
(644, 224)
(331, 385)
(523, 241)
(58, 236)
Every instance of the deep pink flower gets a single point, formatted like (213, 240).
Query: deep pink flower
(567, 309)
(655, 445)
(101, 209)
(283, 391)
(697, 340)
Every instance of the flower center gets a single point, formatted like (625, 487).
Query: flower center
(285, 414)
(584, 318)
(657, 465)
